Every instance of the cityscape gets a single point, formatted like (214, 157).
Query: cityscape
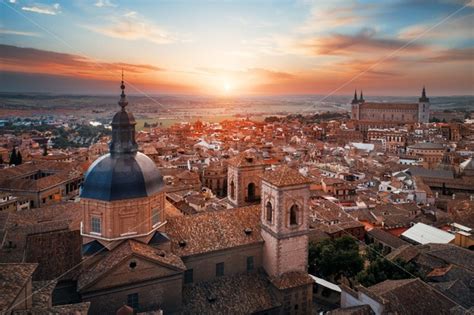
(236, 157)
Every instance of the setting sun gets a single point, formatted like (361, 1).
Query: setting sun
(227, 87)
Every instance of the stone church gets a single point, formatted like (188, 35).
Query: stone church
(245, 260)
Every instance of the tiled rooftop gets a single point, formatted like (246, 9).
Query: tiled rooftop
(412, 296)
(212, 231)
(285, 176)
(291, 279)
(221, 297)
(13, 277)
(115, 256)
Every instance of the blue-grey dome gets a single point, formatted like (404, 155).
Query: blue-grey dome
(122, 176)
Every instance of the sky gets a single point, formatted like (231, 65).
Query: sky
(247, 47)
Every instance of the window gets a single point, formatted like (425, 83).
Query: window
(232, 190)
(188, 276)
(132, 300)
(251, 192)
(155, 216)
(219, 269)
(294, 215)
(250, 263)
(269, 212)
(96, 225)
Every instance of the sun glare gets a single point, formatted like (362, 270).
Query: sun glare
(227, 87)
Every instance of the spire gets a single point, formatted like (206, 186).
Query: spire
(123, 128)
(355, 101)
(361, 99)
(123, 98)
(423, 98)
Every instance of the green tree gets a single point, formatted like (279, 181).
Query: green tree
(372, 253)
(19, 158)
(382, 269)
(13, 157)
(335, 257)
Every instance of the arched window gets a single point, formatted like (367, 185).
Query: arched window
(294, 215)
(232, 190)
(251, 192)
(269, 209)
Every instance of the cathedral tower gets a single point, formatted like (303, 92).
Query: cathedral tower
(423, 108)
(355, 107)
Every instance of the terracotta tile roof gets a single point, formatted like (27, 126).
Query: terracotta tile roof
(212, 231)
(405, 252)
(56, 252)
(42, 293)
(387, 238)
(76, 309)
(291, 279)
(245, 159)
(411, 296)
(13, 178)
(13, 277)
(354, 310)
(285, 176)
(221, 297)
(18, 225)
(115, 256)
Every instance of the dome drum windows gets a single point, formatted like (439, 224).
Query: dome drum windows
(96, 225)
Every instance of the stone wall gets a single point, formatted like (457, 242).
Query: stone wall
(234, 259)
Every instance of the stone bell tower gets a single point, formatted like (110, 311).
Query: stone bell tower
(284, 218)
(244, 174)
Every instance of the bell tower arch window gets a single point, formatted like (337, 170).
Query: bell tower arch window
(294, 215)
(269, 212)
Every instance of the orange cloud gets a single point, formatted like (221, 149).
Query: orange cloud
(363, 42)
(32, 60)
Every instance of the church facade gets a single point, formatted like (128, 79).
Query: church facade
(249, 259)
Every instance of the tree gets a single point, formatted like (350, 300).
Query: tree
(13, 157)
(335, 257)
(372, 252)
(19, 158)
(382, 269)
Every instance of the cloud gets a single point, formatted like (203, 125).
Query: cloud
(247, 74)
(452, 55)
(20, 33)
(132, 26)
(105, 3)
(463, 27)
(17, 59)
(53, 9)
(365, 41)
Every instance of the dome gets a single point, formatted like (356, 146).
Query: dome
(124, 176)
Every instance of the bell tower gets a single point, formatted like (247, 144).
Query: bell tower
(284, 218)
(244, 174)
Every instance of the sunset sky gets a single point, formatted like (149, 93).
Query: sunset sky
(252, 47)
